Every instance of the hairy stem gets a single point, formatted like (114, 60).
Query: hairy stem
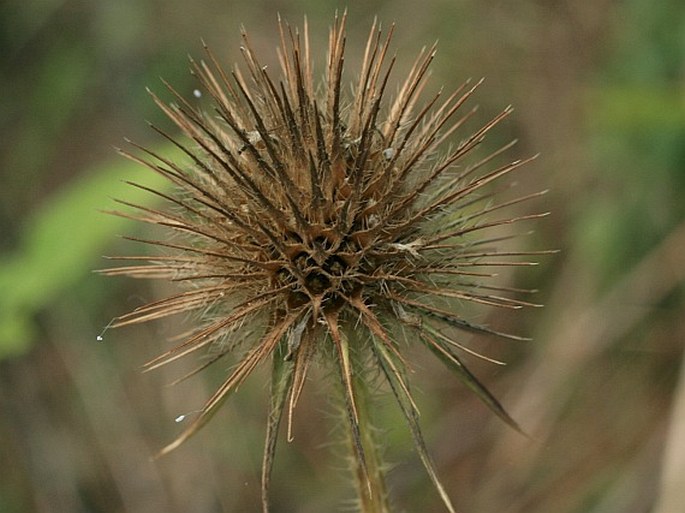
(370, 481)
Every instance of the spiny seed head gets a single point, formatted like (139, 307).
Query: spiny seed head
(307, 220)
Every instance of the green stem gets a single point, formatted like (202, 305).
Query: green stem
(371, 487)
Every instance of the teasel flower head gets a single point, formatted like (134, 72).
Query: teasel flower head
(313, 224)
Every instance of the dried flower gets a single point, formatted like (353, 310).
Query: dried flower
(311, 225)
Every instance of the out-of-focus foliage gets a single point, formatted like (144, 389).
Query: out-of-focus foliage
(638, 134)
(61, 243)
(599, 89)
(636, 122)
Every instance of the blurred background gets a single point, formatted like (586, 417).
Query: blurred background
(599, 91)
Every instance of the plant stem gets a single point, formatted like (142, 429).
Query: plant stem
(371, 487)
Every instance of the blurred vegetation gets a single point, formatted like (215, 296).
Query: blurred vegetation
(599, 89)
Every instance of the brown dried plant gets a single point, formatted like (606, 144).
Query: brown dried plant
(313, 225)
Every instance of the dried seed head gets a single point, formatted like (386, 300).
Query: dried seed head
(309, 219)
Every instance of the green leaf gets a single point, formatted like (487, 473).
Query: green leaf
(62, 243)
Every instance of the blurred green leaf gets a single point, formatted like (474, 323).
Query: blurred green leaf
(637, 138)
(639, 107)
(61, 244)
